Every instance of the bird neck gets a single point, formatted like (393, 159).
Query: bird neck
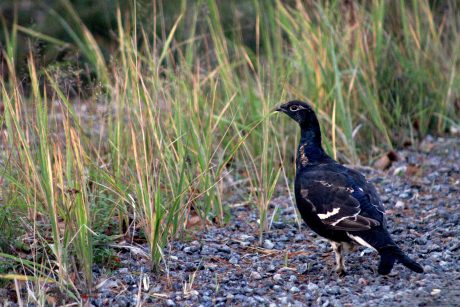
(310, 150)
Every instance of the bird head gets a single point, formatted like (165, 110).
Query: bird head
(299, 111)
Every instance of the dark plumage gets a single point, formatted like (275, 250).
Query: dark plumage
(336, 202)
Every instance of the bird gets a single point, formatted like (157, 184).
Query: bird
(337, 202)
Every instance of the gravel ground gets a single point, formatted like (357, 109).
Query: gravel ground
(227, 266)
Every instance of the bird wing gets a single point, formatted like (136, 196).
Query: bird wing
(339, 201)
(366, 192)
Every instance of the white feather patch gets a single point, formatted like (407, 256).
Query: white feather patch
(324, 183)
(361, 241)
(328, 214)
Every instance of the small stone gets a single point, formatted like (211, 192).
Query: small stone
(233, 260)
(366, 251)
(434, 248)
(246, 237)
(211, 266)
(271, 268)
(363, 281)
(421, 241)
(191, 249)
(224, 249)
(240, 297)
(333, 290)
(399, 204)
(277, 277)
(303, 268)
(294, 290)
(299, 237)
(435, 291)
(170, 302)
(292, 278)
(207, 250)
(251, 301)
(278, 225)
(255, 275)
(283, 300)
(268, 244)
(312, 287)
(404, 195)
(428, 268)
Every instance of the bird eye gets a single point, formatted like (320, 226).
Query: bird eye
(293, 108)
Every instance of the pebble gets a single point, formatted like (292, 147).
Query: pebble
(294, 290)
(299, 237)
(404, 195)
(421, 241)
(271, 268)
(434, 248)
(191, 249)
(277, 277)
(245, 237)
(333, 290)
(312, 287)
(283, 300)
(303, 268)
(256, 275)
(224, 249)
(268, 244)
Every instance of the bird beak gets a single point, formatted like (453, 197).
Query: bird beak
(279, 109)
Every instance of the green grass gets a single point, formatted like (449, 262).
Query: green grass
(179, 107)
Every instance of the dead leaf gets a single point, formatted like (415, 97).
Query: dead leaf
(384, 162)
(413, 170)
(193, 221)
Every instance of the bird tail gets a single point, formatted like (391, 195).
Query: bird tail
(390, 254)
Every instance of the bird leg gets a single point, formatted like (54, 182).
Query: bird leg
(339, 259)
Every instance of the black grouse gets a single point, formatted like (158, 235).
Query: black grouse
(336, 202)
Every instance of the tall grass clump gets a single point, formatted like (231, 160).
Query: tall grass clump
(182, 110)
